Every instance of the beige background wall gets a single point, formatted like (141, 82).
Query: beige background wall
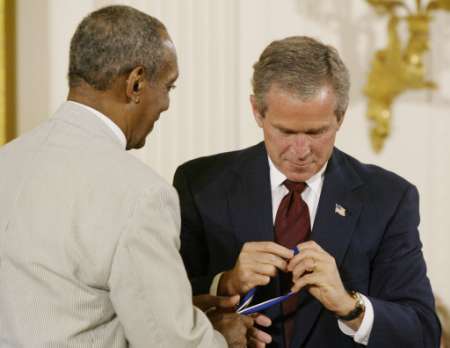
(218, 41)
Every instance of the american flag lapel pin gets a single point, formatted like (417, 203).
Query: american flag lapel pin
(339, 209)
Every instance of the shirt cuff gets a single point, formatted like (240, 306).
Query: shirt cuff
(363, 334)
(215, 284)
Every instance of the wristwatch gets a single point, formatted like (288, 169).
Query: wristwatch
(355, 312)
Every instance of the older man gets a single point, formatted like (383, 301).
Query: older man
(359, 276)
(89, 235)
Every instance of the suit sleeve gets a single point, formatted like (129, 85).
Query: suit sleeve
(194, 247)
(400, 290)
(149, 288)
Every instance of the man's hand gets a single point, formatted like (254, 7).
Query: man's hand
(256, 264)
(234, 327)
(315, 269)
(239, 330)
(220, 310)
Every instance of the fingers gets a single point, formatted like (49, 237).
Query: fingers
(268, 259)
(263, 258)
(248, 321)
(264, 269)
(226, 302)
(206, 301)
(314, 253)
(262, 320)
(259, 336)
(248, 280)
(269, 247)
(312, 258)
(254, 343)
(310, 244)
(234, 327)
(256, 264)
(306, 280)
(256, 337)
(305, 266)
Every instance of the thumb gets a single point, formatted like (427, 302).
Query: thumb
(226, 302)
(206, 301)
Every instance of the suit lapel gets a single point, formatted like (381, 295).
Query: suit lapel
(249, 197)
(336, 218)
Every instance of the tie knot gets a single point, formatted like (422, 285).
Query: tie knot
(297, 187)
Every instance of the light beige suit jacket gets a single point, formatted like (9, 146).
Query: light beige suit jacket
(89, 240)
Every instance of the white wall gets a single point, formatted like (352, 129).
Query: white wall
(217, 42)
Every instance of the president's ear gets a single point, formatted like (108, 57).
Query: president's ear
(256, 113)
(340, 119)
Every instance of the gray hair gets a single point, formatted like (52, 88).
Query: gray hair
(302, 66)
(111, 42)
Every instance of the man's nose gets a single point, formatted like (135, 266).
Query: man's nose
(301, 146)
(166, 105)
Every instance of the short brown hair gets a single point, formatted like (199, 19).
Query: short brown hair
(301, 65)
(111, 42)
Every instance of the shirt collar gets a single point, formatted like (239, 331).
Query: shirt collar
(108, 122)
(314, 183)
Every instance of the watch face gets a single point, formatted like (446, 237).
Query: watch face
(359, 301)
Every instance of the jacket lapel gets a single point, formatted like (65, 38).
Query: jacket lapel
(249, 197)
(336, 218)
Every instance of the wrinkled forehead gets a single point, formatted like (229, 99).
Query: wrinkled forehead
(318, 93)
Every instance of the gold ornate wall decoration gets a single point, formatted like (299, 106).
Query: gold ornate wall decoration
(7, 71)
(398, 67)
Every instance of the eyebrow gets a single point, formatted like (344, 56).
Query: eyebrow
(310, 130)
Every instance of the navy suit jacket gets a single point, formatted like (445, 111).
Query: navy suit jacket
(226, 201)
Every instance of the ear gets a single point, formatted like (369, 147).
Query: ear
(256, 114)
(135, 83)
(341, 120)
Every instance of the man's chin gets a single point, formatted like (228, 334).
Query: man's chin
(141, 144)
(299, 177)
(300, 173)
(136, 146)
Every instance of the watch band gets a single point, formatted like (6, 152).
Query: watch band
(355, 312)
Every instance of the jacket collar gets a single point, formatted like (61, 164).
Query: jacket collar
(83, 118)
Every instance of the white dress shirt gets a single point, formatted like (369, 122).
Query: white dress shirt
(311, 196)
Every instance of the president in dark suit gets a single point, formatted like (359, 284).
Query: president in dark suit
(360, 276)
